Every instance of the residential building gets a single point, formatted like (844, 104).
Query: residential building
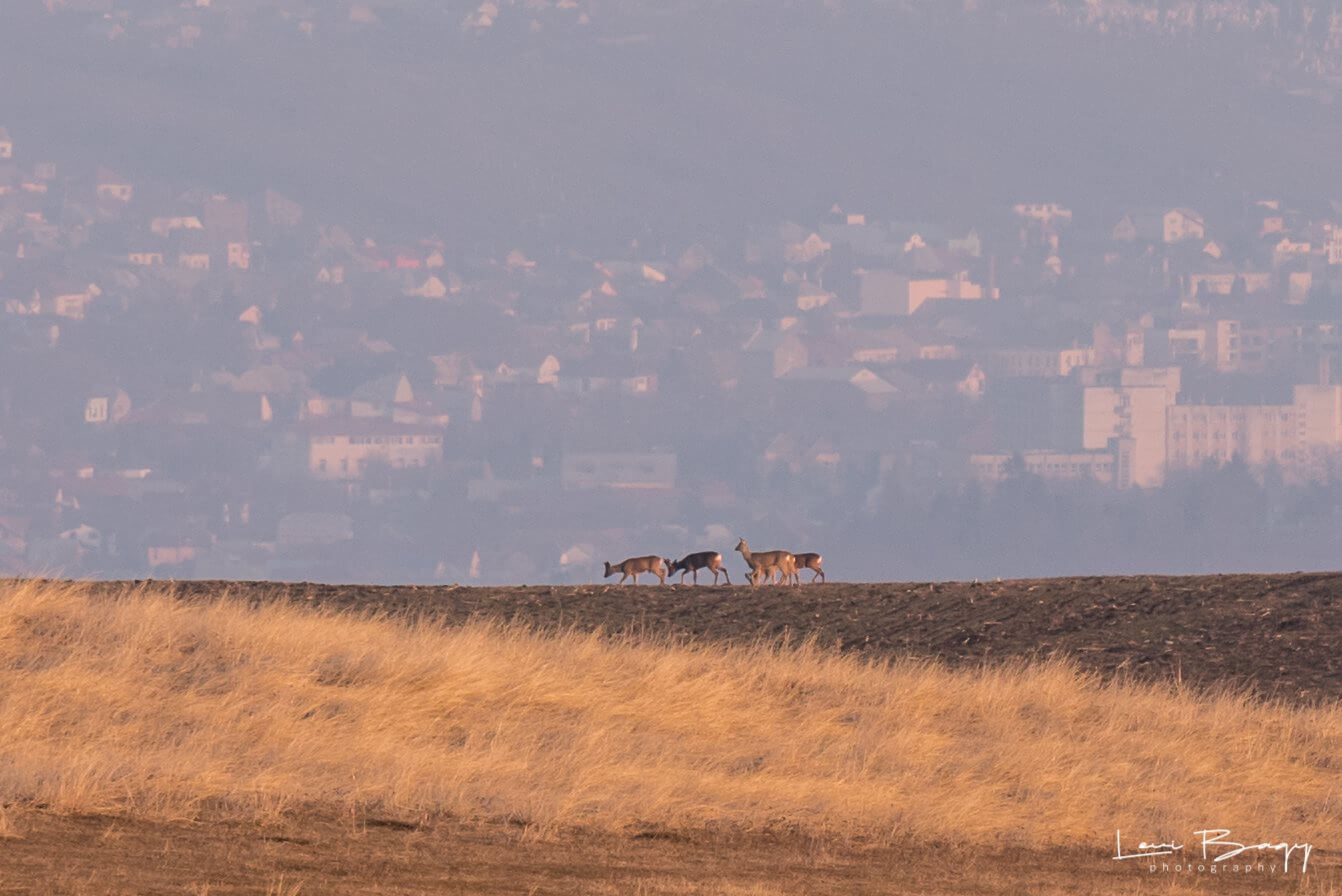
(890, 292)
(111, 187)
(1255, 434)
(343, 449)
(1043, 362)
(1160, 226)
(1226, 282)
(770, 353)
(1135, 412)
(1045, 212)
(1319, 416)
(1332, 246)
(71, 299)
(1098, 466)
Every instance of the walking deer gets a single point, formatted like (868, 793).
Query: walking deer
(635, 565)
(809, 561)
(767, 563)
(692, 563)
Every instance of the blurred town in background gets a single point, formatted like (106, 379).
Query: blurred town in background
(212, 379)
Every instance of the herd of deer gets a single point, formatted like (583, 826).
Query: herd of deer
(763, 566)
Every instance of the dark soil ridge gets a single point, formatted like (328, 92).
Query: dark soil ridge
(1278, 634)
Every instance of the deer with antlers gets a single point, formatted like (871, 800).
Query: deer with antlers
(766, 563)
(635, 565)
(692, 563)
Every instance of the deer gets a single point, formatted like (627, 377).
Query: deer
(809, 561)
(767, 563)
(692, 563)
(635, 565)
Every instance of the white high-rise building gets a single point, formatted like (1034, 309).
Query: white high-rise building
(1135, 415)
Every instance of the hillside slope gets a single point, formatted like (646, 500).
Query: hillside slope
(238, 738)
(1281, 634)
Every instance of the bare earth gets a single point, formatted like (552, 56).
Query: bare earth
(1279, 634)
(316, 855)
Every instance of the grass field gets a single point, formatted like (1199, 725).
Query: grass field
(157, 711)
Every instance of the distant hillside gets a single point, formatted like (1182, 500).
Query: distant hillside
(683, 121)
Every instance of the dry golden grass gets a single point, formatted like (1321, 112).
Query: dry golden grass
(148, 706)
(9, 830)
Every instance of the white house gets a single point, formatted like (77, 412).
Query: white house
(889, 292)
(112, 187)
(1160, 226)
(1046, 212)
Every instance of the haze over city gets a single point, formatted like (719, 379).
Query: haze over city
(425, 292)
